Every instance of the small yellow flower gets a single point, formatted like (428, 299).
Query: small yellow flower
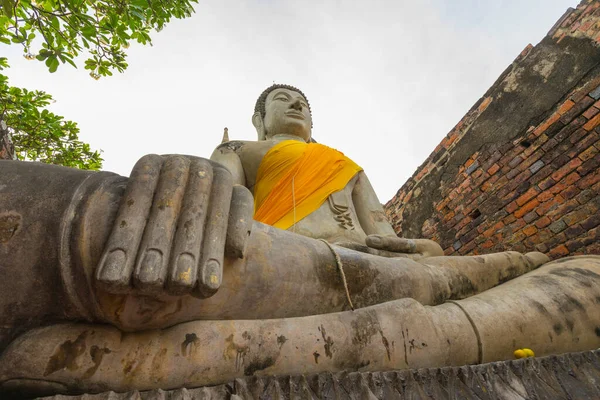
(523, 353)
(529, 352)
(519, 353)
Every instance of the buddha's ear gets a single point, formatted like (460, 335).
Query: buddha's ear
(257, 121)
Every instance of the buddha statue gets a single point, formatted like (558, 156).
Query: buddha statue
(165, 280)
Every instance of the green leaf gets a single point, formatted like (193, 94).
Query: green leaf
(7, 8)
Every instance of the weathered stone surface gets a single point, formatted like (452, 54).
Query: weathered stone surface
(566, 376)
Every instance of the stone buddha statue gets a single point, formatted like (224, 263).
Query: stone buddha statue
(309, 188)
(164, 280)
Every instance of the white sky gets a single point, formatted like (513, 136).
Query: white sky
(386, 80)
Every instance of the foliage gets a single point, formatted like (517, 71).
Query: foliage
(39, 134)
(100, 28)
(57, 32)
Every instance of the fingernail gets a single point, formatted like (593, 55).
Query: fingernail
(185, 263)
(113, 265)
(151, 265)
(211, 274)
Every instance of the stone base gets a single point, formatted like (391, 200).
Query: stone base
(566, 376)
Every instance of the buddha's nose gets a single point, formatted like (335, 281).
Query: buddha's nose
(296, 105)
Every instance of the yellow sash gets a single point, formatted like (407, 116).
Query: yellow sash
(300, 174)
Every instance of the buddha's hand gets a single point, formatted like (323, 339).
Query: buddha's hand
(178, 218)
(414, 248)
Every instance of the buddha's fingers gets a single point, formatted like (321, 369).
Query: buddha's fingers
(185, 257)
(240, 221)
(116, 264)
(210, 271)
(390, 243)
(151, 266)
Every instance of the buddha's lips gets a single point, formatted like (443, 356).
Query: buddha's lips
(295, 114)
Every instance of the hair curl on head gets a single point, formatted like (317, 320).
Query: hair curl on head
(262, 99)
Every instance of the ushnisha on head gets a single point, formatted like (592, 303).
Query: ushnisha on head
(282, 110)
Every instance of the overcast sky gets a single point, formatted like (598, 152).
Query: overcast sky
(386, 80)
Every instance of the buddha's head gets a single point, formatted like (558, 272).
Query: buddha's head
(282, 109)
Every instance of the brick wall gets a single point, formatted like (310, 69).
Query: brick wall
(521, 170)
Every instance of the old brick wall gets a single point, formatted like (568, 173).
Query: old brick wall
(520, 170)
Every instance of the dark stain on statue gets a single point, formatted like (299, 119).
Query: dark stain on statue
(233, 349)
(190, 343)
(258, 365)
(570, 324)
(96, 353)
(65, 357)
(462, 287)
(364, 327)
(541, 308)
(316, 355)
(597, 330)
(10, 223)
(405, 350)
(281, 341)
(557, 328)
(386, 344)
(328, 342)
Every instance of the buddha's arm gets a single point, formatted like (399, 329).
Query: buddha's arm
(375, 224)
(230, 160)
(368, 208)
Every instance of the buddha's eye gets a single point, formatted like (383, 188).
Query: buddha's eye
(282, 98)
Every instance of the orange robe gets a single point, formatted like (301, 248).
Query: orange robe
(295, 178)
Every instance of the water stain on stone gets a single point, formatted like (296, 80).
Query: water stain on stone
(328, 342)
(570, 324)
(258, 365)
(233, 350)
(597, 330)
(316, 355)
(10, 223)
(281, 341)
(65, 357)
(557, 328)
(189, 344)
(405, 350)
(386, 344)
(96, 353)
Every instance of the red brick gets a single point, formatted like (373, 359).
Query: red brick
(559, 251)
(591, 222)
(511, 207)
(589, 180)
(546, 183)
(530, 194)
(572, 178)
(563, 209)
(566, 106)
(526, 208)
(543, 222)
(589, 166)
(570, 192)
(545, 196)
(571, 165)
(546, 124)
(589, 153)
(579, 107)
(530, 230)
(590, 112)
(559, 187)
(487, 244)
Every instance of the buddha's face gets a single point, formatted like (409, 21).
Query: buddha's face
(286, 112)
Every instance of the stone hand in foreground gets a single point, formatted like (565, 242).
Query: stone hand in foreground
(173, 228)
